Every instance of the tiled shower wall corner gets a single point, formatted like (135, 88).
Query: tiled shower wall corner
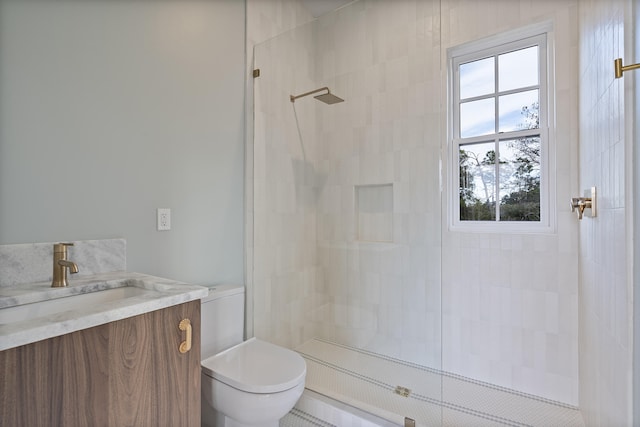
(605, 293)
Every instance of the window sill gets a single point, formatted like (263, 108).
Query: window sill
(491, 227)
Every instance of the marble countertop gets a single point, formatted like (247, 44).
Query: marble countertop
(157, 293)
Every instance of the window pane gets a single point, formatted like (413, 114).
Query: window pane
(477, 118)
(477, 78)
(520, 179)
(477, 182)
(519, 111)
(518, 69)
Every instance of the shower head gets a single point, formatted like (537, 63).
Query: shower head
(327, 98)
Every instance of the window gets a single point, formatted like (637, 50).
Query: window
(500, 155)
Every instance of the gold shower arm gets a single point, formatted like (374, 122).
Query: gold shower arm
(622, 68)
(293, 98)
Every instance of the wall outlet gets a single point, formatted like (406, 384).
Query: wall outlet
(164, 219)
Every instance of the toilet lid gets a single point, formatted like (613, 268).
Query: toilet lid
(256, 366)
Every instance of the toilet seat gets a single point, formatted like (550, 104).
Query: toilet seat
(256, 366)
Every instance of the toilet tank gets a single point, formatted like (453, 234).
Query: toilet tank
(222, 319)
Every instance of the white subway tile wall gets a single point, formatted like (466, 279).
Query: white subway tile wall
(509, 301)
(605, 294)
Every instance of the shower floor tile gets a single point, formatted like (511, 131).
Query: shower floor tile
(316, 410)
(370, 382)
(298, 418)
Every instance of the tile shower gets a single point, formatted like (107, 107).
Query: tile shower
(351, 243)
(347, 205)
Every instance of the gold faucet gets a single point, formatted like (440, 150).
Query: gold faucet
(60, 265)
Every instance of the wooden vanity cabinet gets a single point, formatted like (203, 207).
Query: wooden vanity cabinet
(126, 373)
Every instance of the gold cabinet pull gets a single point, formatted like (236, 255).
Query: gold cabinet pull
(185, 325)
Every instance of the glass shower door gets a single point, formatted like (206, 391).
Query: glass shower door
(347, 205)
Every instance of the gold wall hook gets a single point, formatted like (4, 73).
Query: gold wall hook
(619, 68)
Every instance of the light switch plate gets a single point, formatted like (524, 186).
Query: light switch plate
(164, 219)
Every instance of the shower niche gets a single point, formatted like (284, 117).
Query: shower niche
(374, 212)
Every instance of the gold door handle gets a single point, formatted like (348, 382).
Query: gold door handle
(185, 325)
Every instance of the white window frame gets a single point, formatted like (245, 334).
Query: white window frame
(542, 36)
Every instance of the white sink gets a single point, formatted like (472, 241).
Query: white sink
(34, 310)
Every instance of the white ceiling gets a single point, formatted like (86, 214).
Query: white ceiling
(320, 7)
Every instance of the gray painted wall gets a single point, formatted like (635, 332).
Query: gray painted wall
(111, 109)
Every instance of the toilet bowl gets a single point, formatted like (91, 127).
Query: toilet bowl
(254, 383)
(244, 384)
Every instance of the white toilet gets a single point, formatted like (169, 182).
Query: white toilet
(250, 383)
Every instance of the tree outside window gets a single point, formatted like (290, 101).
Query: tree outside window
(519, 177)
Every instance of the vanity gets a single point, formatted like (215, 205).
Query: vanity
(110, 349)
